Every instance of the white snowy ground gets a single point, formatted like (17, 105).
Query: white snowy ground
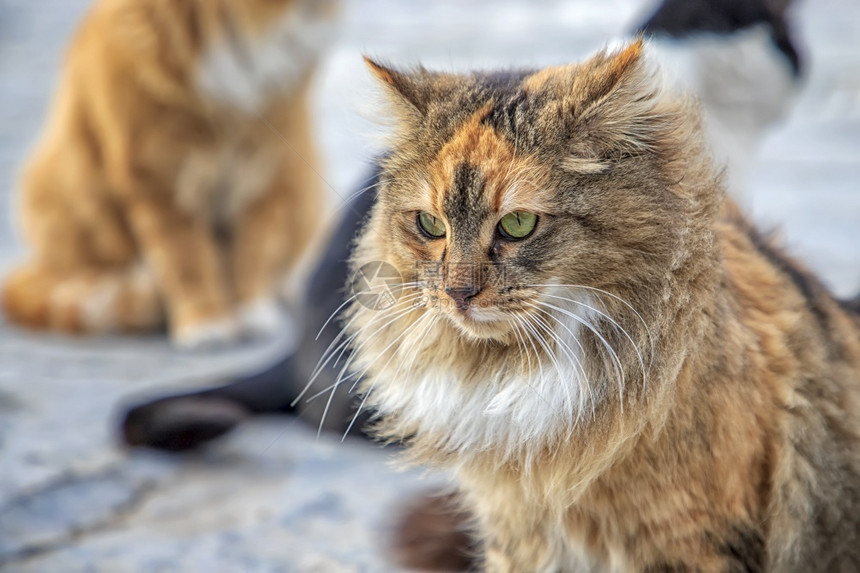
(272, 497)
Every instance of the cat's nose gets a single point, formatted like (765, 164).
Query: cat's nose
(461, 295)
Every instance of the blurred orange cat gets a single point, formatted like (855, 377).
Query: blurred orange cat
(171, 181)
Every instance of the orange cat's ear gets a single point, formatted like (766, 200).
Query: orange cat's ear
(411, 89)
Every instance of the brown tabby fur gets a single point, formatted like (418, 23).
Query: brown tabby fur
(733, 444)
(152, 198)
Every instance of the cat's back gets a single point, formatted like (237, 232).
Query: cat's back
(803, 351)
(772, 288)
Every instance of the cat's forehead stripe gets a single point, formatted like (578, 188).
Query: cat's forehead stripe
(465, 204)
(487, 153)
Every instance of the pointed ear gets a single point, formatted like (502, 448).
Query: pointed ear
(619, 104)
(412, 90)
(607, 71)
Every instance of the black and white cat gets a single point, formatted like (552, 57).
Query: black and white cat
(739, 58)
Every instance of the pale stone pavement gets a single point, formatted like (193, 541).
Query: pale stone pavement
(272, 497)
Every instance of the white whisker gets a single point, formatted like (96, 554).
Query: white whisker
(602, 339)
(562, 379)
(411, 328)
(619, 299)
(572, 355)
(328, 354)
(348, 362)
(611, 320)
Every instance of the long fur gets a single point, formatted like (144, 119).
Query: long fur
(642, 384)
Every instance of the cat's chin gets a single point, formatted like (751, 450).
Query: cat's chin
(482, 327)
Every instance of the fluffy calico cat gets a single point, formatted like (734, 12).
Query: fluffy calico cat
(620, 372)
(171, 181)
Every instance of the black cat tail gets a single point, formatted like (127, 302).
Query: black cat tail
(182, 422)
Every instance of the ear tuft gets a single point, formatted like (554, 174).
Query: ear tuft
(628, 56)
(408, 88)
(620, 103)
(381, 72)
(608, 70)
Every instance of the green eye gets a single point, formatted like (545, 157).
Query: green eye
(517, 225)
(430, 225)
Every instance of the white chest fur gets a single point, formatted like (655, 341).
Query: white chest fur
(245, 71)
(506, 410)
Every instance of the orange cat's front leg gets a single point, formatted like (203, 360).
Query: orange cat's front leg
(258, 258)
(268, 238)
(188, 267)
